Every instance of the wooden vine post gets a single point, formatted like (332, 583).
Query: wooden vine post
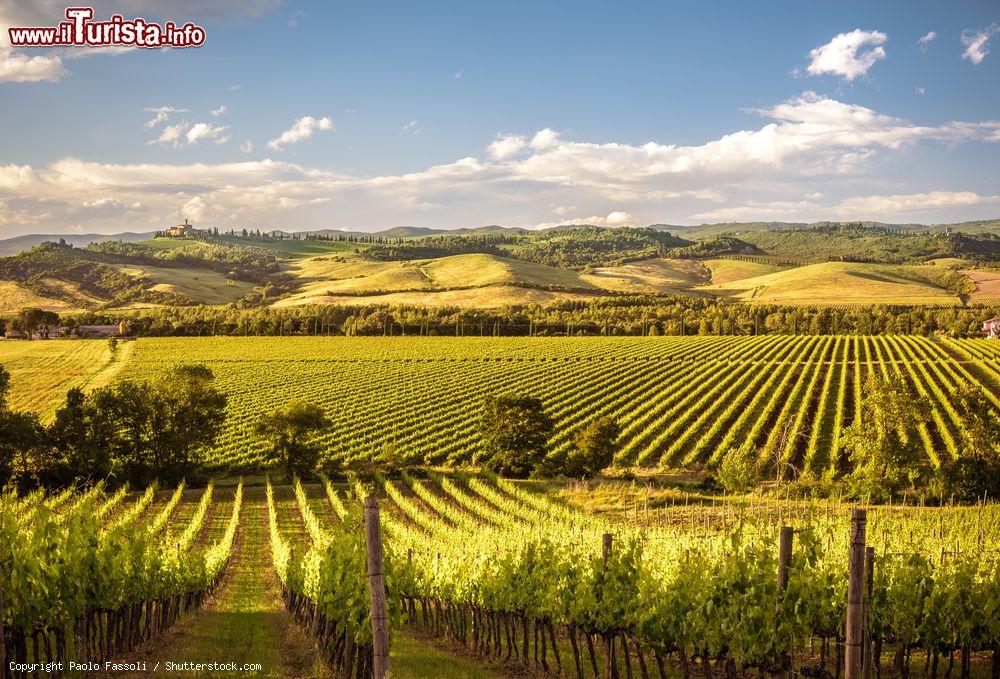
(376, 590)
(3, 639)
(853, 634)
(869, 658)
(784, 563)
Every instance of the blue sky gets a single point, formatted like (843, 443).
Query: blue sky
(523, 114)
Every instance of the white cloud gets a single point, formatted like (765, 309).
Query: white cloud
(247, 146)
(505, 145)
(616, 218)
(162, 115)
(185, 133)
(20, 68)
(216, 112)
(413, 127)
(171, 134)
(926, 40)
(200, 131)
(920, 91)
(545, 139)
(977, 42)
(912, 202)
(457, 75)
(846, 55)
(301, 129)
(808, 159)
(234, 88)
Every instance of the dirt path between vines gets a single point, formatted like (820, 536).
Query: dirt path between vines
(244, 622)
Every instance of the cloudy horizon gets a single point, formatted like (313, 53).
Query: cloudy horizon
(856, 115)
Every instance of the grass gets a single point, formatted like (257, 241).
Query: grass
(201, 285)
(42, 371)
(839, 283)
(14, 297)
(729, 270)
(455, 280)
(245, 621)
(651, 276)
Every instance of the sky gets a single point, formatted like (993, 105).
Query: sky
(311, 115)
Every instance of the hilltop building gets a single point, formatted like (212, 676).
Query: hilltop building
(180, 231)
(991, 328)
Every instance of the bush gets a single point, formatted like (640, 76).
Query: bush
(739, 471)
(593, 449)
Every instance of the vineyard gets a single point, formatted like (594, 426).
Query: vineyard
(680, 401)
(513, 573)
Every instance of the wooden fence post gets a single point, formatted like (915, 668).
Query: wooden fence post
(605, 549)
(376, 589)
(853, 649)
(3, 640)
(784, 563)
(868, 647)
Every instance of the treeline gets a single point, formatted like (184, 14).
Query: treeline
(581, 247)
(245, 262)
(619, 316)
(135, 432)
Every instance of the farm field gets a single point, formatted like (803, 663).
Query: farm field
(42, 371)
(469, 554)
(681, 401)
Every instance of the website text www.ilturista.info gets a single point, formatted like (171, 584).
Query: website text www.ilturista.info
(111, 668)
(80, 30)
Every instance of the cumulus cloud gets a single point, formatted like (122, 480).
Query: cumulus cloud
(977, 42)
(21, 68)
(612, 219)
(926, 40)
(200, 131)
(162, 114)
(186, 134)
(301, 129)
(848, 55)
(247, 146)
(919, 91)
(544, 139)
(413, 127)
(804, 160)
(216, 112)
(505, 145)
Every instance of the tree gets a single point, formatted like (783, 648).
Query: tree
(740, 470)
(515, 433)
(155, 430)
(81, 447)
(33, 319)
(287, 429)
(884, 444)
(593, 448)
(22, 439)
(976, 470)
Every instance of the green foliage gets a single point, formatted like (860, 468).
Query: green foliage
(287, 429)
(593, 449)
(975, 473)
(740, 470)
(515, 431)
(884, 444)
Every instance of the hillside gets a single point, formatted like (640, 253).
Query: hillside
(838, 283)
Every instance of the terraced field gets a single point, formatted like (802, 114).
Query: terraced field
(681, 401)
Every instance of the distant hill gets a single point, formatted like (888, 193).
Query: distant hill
(12, 246)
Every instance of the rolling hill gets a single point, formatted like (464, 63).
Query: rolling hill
(840, 283)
